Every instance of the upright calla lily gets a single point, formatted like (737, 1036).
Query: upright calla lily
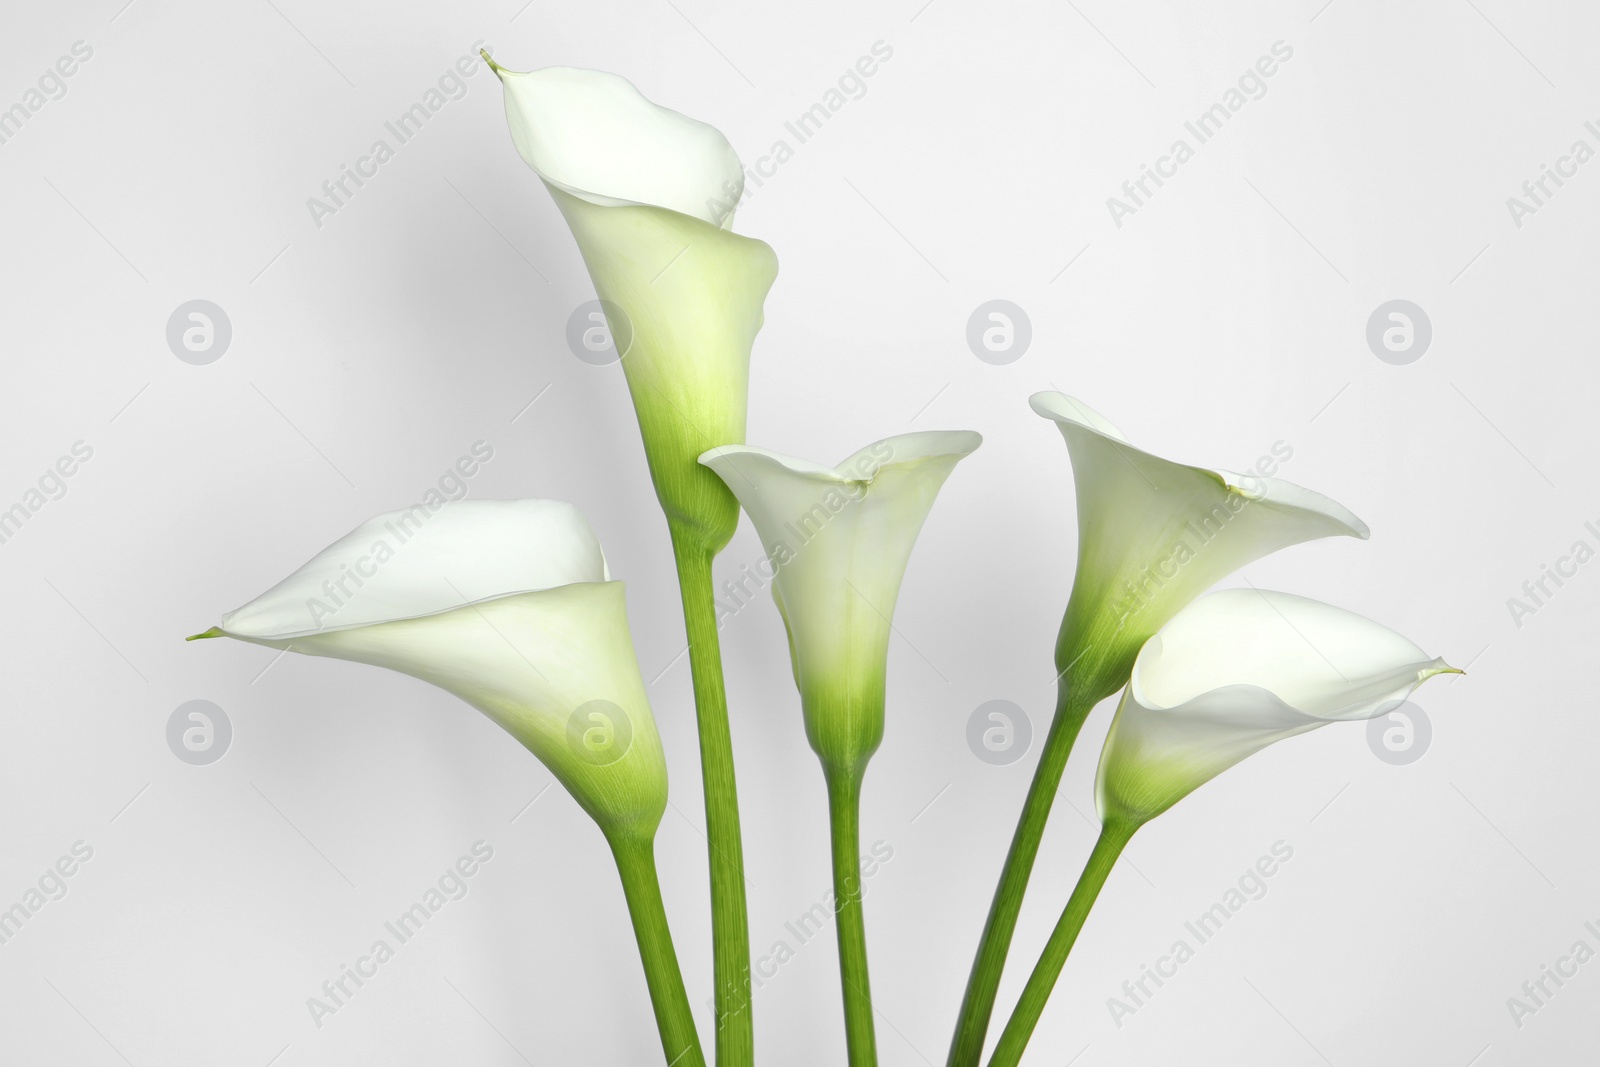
(649, 195)
(839, 539)
(508, 605)
(1229, 675)
(1152, 535)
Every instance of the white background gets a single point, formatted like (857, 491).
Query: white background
(1226, 315)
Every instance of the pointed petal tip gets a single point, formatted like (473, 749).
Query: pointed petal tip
(215, 631)
(1439, 667)
(499, 71)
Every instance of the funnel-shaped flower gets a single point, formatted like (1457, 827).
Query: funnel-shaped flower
(1226, 677)
(649, 195)
(1234, 672)
(1153, 535)
(508, 605)
(838, 539)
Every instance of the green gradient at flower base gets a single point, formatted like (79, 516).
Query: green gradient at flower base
(692, 297)
(1235, 672)
(1152, 536)
(647, 193)
(508, 605)
(839, 539)
(644, 190)
(1229, 675)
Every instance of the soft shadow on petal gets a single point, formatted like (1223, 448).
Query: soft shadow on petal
(422, 560)
(1233, 673)
(839, 539)
(594, 135)
(1154, 534)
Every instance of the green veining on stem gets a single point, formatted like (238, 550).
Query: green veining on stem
(1113, 839)
(636, 863)
(730, 928)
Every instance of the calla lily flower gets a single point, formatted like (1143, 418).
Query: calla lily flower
(838, 539)
(1226, 677)
(508, 604)
(1234, 672)
(1154, 534)
(649, 195)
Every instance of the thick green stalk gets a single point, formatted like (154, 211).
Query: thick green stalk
(636, 863)
(844, 820)
(1114, 838)
(983, 984)
(730, 925)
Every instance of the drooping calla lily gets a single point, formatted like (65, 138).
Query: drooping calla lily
(1152, 536)
(1234, 672)
(838, 539)
(1226, 677)
(649, 194)
(508, 605)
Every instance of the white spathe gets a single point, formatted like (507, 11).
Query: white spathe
(1232, 673)
(838, 540)
(594, 135)
(649, 195)
(508, 604)
(1154, 534)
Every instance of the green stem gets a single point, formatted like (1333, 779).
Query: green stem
(636, 863)
(844, 820)
(1114, 838)
(730, 927)
(983, 984)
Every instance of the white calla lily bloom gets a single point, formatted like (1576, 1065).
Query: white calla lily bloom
(508, 604)
(1154, 534)
(838, 540)
(1234, 672)
(649, 195)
